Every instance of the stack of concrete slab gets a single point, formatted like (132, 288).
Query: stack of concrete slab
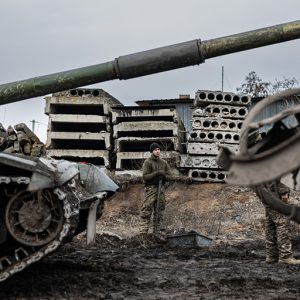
(217, 120)
(79, 127)
(20, 139)
(136, 127)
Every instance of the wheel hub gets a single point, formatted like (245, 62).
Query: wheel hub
(34, 218)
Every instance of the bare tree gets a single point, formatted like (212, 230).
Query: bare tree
(281, 85)
(256, 87)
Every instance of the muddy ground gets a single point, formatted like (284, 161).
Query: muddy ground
(125, 265)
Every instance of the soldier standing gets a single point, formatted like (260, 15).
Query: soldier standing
(156, 171)
(277, 230)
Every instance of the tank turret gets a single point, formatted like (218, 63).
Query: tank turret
(149, 62)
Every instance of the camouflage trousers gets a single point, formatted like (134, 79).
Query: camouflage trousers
(278, 235)
(149, 208)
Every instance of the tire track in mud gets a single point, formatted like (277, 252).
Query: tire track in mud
(127, 270)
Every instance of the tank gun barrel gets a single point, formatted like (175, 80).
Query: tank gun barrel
(149, 62)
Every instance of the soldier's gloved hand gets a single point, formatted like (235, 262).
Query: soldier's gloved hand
(161, 173)
(285, 197)
(188, 180)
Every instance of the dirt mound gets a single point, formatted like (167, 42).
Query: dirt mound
(216, 210)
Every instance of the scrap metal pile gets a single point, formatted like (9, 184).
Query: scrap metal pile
(217, 120)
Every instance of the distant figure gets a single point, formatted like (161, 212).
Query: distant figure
(277, 230)
(156, 172)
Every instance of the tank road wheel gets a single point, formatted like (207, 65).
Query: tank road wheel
(34, 218)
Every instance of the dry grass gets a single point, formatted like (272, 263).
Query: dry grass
(215, 210)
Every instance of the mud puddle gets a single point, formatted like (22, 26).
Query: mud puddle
(143, 267)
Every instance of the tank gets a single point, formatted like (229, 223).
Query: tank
(46, 202)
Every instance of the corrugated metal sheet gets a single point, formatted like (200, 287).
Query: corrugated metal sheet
(183, 107)
(273, 109)
(185, 112)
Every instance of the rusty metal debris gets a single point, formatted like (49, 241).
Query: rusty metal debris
(188, 240)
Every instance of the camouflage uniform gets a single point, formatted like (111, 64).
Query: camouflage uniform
(278, 236)
(149, 207)
(277, 230)
(151, 168)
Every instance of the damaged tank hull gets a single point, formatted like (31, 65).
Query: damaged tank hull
(44, 203)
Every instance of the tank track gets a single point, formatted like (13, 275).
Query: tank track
(20, 256)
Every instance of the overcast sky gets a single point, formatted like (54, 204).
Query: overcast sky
(40, 37)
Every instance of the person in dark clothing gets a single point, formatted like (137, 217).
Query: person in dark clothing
(277, 230)
(156, 171)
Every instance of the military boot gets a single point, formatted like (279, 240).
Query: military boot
(290, 261)
(271, 260)
(144, 227)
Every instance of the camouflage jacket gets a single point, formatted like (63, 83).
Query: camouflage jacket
(150, 168)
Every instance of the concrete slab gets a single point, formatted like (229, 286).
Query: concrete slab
(143, 113)
(55, 105)
(127, 144)
(23, 128)
(83, 98)
(151, 128)
(221, 111)
(190, 161)
(209, 148)
(219, 124)
(128, 174)
(207, 175)
(205, 96)
(85, 137)
(63, 118)
(78, 123)
(214, 136)
(134, 160)
(80, 155)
